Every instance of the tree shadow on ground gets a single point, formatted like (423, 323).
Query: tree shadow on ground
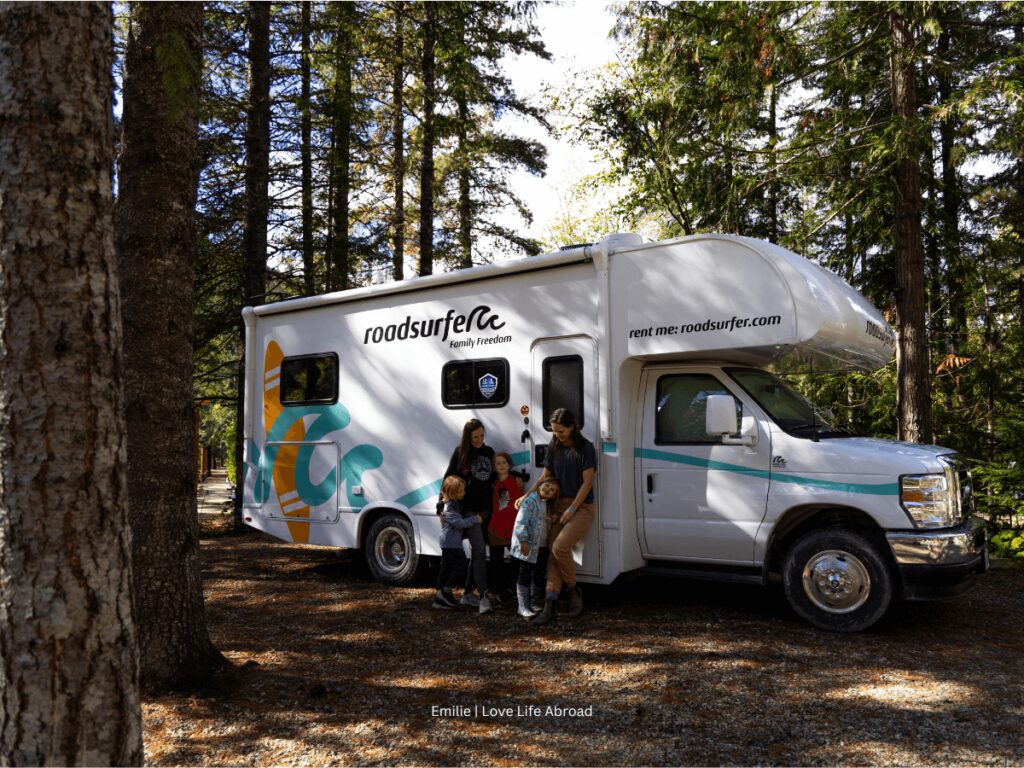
(342, 670)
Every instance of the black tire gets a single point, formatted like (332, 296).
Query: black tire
(837, 579)
(390, 548)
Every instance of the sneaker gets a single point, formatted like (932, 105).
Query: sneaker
(441, 596)
(439, 603)
(485, 605)
(470, 599)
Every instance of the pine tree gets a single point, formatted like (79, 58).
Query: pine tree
(158, 173)
(68, 654)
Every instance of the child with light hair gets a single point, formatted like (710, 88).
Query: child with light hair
(453, 558)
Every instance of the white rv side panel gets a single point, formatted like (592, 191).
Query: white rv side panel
(394, 436)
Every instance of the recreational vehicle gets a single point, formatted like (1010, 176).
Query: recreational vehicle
(710, 466)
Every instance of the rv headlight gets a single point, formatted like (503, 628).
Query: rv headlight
(929, 500)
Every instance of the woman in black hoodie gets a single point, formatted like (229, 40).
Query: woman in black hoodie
(474, 462)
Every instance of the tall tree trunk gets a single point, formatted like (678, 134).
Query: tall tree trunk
(773, 165)
(68, 655)
(913, 370)
(950, 323)
(308, 260)
(1015, 217)
(257, 155)
(257, 201)
(427, 129)
(465, 200)
(155, 230)
(398, 151)
(342, 114)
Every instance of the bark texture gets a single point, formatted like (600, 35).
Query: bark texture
(427, 72)
(158, 174)
(342, 127)
(68, 664)
(257, 156)
(398, 147)
(308, 262)
(913, 397)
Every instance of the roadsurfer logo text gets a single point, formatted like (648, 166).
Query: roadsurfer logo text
(884, 335)
(479, 319)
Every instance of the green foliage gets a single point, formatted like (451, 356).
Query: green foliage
(217, 431)
(1007, 543)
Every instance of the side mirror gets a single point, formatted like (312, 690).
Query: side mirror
(720, 417)
(720, 421)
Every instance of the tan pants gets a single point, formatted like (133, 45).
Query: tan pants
(561, 568)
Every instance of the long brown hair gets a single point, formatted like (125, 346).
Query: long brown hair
(565, 418)
(466, 445)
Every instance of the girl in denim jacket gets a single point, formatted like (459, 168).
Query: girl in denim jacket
(530, 543)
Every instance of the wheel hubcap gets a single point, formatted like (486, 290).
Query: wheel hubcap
(391, 550)
(836, 581)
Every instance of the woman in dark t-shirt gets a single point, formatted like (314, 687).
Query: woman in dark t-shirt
(572, 460)
(474, 462)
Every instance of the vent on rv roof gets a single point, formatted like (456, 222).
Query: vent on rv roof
(574, 245)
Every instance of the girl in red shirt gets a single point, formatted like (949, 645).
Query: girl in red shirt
(507, 489)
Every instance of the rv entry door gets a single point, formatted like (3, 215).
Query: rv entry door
(564, 375)
(702, 499)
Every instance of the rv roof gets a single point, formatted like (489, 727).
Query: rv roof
(484, 272)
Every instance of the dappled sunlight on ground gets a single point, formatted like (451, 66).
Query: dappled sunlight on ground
(330, 668)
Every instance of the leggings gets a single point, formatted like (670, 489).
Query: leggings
(477, 574)
(532, 575)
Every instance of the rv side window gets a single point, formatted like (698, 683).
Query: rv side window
(562, 385)
(682, 403)
(309, 379)
(475, 384)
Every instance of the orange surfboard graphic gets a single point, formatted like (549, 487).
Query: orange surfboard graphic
(287, 455)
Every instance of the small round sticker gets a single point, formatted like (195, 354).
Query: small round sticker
(525, 410)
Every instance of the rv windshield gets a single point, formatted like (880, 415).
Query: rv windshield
(787, 407)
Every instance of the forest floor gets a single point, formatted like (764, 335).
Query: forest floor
(330, 668)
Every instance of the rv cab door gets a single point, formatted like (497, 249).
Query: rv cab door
(701, 499)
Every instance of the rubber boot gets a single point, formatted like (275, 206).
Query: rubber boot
(523, 594)
(575, 601)
(547, 615)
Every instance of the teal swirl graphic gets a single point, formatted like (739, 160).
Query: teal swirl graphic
(329, 418)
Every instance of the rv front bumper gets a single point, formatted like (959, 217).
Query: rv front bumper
(938, 564)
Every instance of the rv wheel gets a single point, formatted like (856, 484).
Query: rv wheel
(391, 551)
(836, 579)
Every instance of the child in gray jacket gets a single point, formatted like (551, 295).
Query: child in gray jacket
(453, 558)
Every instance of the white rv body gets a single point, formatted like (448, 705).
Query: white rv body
(631, 324)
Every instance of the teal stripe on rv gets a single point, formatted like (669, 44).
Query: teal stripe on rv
(431, 491)
(871, 489)
(420, 495)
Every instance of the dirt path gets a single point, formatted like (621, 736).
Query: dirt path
(334, 669)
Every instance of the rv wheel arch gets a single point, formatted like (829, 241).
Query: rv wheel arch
(799, 521)
(389, 545)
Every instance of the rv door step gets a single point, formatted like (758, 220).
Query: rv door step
(735, 574)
